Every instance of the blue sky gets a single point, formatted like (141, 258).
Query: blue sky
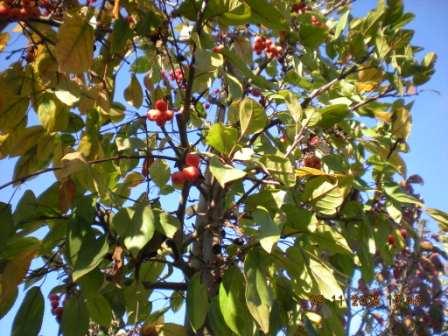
(428, 156)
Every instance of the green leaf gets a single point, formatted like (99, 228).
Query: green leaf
(268, 14)
(245, 72)
(342, 23)
(52, 115)
(239, 13)
(6, 224)
(382, 46)
(133, 93)
(394, 192)
(75, 319)
(197, 302)
(8, 302)
(269, 232)
(74, 49)
(86, 249)
(99, 309)
(160, 173)
(235, 87)
(216, 320)
(324, 280)
(136, 226)
(121, 35)
(309, 328)
(28, 320)
(222, 138)
(294, 107)
(310, 36)
(225, 173)
(280, 168)
(325, 194)
(330, 240)
(331, 115)
(429, 60)
(298, 219)
(169, 224)
(150, 271)
(440, 216)
(259, 296)
(232, 302)
(252, 116)
(141, 65)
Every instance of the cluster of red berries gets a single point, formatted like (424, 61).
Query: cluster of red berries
(161, 114)
(300, 8)
(391, 237)
(56, 309)
(312, 161)
(23, 10)
(190, 173)
(262, 44)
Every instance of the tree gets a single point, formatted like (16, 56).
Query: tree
(281, 125)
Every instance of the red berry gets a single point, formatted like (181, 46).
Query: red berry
(178, 178)
(57, 311)
(391, 239)
(311, 161)
(177, 75)
(192, 160)
(161, 105)
(5, 11)
(314, 141)
(168, 115)
(404, 233)
(259, 40)
(14, 13)
(53, 297)
(54, 304)
(219, 48)
(298, 8)
(154, 115)
(191, 173)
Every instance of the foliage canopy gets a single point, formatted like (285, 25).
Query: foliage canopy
(282, 126)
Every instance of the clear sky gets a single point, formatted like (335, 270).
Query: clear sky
(428, 156)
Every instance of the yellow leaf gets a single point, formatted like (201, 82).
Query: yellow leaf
(382, 116)
(14, 272)
(133, 93)
(307, 171)
(72, 163)
(74, 49)
(366, 86)
(370, 74)
(402, 122)
(116, 10)
(4, 38)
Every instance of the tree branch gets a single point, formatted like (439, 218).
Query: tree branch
(176, 286)
(52, 169)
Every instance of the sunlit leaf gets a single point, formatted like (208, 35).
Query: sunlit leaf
(74, 49)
